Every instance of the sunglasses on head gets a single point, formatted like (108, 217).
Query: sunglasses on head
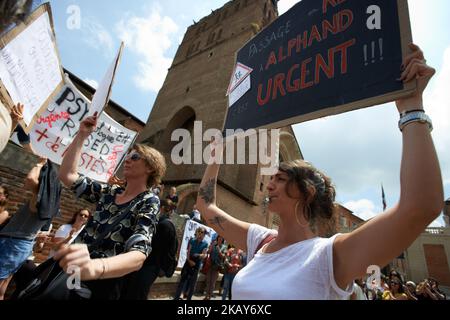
(134, 156)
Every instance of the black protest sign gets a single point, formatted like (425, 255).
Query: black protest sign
(320, 58)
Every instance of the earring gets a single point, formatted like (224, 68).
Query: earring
(303, 225)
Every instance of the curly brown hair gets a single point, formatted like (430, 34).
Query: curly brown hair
(155, 160)
(318, 195)
(13, 11)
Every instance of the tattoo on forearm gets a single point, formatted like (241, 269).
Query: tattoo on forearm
(217, 221)
(207, 191)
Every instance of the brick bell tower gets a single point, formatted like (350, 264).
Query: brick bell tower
(194, 90)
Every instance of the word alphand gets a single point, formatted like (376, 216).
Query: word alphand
(307, 72)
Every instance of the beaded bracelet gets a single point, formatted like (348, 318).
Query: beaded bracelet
(402, 114)
(416, 116)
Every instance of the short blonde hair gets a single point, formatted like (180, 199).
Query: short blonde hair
(155, 160)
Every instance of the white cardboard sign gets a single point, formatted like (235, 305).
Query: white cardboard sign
(56, 127)
(30, 68)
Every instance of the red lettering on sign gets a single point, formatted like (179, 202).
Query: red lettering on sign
(113, 158)
(334, 3)
(52, 118)
(90, 163)
(341, 22)
(41, 134)
(308, 75)
(322, 65)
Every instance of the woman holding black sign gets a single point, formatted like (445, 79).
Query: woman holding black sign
(294, 262)
(124, 219)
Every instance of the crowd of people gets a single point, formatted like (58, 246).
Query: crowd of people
(394, 287)
(122, 246)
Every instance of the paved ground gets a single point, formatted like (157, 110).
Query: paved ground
(196, 297)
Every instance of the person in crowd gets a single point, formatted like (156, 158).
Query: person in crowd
(196, 253)
(423, 291)
(396, 291)
(233, 263)
(11, 11)
(394, 274)
(358, 291)
(159, 190)
(434, 288)
(303, 197)
(375, 290)
(161, 261)
(410, 290)
(195, 214)
(124, 218)
(4, 214)
(217, 263)
(17, 238)
(173, 197)
(70, 230)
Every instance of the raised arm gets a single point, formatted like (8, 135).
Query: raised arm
(68, 171)
(32, 183)
(421, 196)
(232, 229)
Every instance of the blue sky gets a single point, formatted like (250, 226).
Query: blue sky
(359, 150)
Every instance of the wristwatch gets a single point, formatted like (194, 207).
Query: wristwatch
(416, 116)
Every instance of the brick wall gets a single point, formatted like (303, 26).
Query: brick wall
(15, 163)
(437, 265)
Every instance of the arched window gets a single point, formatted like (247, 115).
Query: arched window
(183, 119)
(211, 38)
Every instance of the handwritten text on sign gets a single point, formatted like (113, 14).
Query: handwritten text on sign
(55, 129)
(29, 66)
(317, 56)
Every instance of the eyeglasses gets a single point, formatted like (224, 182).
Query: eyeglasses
(86, 216)
(395, 283)
(134, 156)
(200, 232)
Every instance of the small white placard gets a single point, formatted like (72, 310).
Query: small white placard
(239, 91)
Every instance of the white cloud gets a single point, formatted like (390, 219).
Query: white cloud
(437, 104)
(92, 83)
(439, 222)
(149, 37)
(96, 36)
(363, 208)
